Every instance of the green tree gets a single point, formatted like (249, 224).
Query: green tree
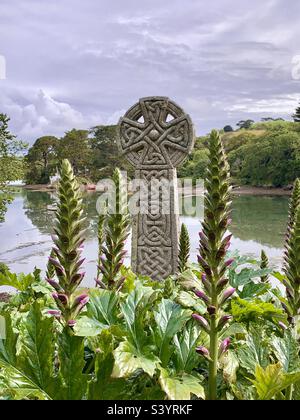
(105, 153)
(228, 129)
(75, 147)
(296, 116)
(245, 124)
(11, 162)
(42, 160)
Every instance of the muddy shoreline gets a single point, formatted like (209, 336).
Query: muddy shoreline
(243, 190)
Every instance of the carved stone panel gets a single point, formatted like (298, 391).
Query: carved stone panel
(155, 136)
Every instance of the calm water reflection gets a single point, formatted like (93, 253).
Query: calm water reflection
(258, 222)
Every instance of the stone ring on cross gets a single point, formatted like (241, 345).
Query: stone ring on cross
(156, 132)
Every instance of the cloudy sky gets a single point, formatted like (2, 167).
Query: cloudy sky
(75, 63)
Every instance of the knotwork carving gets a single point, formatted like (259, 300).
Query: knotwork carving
(156, 132)
(156, 136)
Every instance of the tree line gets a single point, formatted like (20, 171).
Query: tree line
(267, 154)
(93, 154)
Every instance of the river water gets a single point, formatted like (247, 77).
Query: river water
(259, 222)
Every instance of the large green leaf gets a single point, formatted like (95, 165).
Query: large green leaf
(20, 282)
(286, 350)
(15, 382)
(101, 313)
(271, 381)
(251, 290)
(8, 344)
(128, 359)
(254, 352)
(246, 311)
(189, 300)
(189, 280)
(104, 386)
(185, 343)
(36, 344)
(170, 319)
(181, 387)
(17, 385)
(135, 312)
(245, 276)
(71, 357)
(230, 365)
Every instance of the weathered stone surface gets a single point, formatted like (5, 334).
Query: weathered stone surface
(156, 136)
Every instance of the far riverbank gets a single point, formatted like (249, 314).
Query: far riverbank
(241, 190)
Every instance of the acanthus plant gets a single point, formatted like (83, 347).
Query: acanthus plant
(214, 244)
(65, 259)
(184, 249)
(116, 232)
(264, 265)
(291, 266)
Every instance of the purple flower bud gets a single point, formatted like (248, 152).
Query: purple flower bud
(77, 278)
(223, 321)
(54, 262)
(206, 283)
(203, 237)
(224, 346)
(54, 284)
(203, 351)
(81, 300)
(204, 265)
(286, 308)
(100, 284)
(221, 284)
(55, 313)
(229, 262)
(282, 326)
(212, 310)
(79, 264)
(227, 294)
(72, 323)
(61, 298)
(202, 321)
(202, 296)
(103, 259)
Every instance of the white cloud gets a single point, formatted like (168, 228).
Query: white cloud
(45, 115)
(281, 105)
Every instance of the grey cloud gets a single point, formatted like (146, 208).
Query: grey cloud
(76, 64)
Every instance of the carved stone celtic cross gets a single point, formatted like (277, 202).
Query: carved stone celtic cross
(156, 136)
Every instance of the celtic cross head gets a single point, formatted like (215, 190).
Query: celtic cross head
(155, 132)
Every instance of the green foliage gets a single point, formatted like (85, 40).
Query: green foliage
(105, 152)
(296, 116)
(264, 264)
(292, 269)
(11, 162)
(181, 387)
(68, 246)
(42, 160)
(265, 155)
(138, 341)
(184, 248)
(272, 381)
(116, 232)
(212, 259)
(75, 147)
(255, 310)
(246, 124)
